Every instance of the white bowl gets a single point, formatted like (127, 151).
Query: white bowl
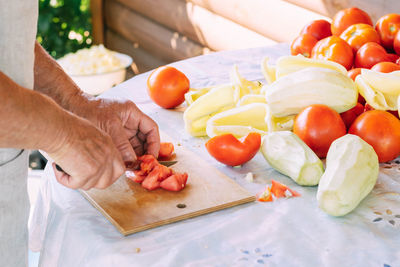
(95, 84)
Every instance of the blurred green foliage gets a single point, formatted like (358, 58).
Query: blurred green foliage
(64, 26)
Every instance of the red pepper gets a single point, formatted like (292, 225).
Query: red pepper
(231, 151)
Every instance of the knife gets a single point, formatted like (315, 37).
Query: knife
(166, 163)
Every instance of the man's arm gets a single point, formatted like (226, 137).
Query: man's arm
(31, 120)
(132, 131)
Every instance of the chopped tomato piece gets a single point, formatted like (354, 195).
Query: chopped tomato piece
(151, 182)
(163, 172)
(148, 163)
(182, 177)
(279, 190)
(166, 150)
(152, 175)
(175, 182)
(265, 196)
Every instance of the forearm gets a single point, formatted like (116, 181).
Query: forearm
(50, 79)
(29, 119)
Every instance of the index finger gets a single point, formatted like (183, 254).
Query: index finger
(149, 128)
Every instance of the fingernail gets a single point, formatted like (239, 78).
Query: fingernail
(131, 165)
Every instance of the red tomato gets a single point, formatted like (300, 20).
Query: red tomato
(393, 57)
(229, 150)
(387, 27)
(349, 116)
(303, 45)
(368, 107)
(381, 130)
(385, 67)
(318, 126)
(153, 175)
(347, 17)
(167, 86)
(166, 150)
(319, 28)
(398, 61)
(335, 49)
(175, 182)
(369, 54)
(396, 43)
(358, 34)
(353, 73)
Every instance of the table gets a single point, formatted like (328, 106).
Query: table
(68, 231)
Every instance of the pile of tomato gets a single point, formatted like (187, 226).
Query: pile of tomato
(352, 40)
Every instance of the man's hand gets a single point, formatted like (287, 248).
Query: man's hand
(132, 132)
(87, 154)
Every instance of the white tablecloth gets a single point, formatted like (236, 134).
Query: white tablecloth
(68, 231)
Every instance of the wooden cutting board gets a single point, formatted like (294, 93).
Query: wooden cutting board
(131, 208)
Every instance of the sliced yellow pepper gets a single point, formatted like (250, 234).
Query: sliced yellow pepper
(194, 94)
(197, 114)
(250, 99)
(243, 86)
(268, 71)
(386, 83)
(374, 97)
(239, 121)
(290, 64)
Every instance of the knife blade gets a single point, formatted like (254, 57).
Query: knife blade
(166, 163)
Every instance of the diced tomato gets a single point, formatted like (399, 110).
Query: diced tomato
(175, 182)
(166, 150)
(148, 163)
(152, 175)
(278, 189)
(182, 178)
(151, 182)
(265, 196)
(163, 172)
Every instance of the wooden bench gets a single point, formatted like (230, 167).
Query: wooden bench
(157, 32)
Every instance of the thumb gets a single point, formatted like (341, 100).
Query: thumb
(124, 146)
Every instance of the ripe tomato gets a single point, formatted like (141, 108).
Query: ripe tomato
(303, 45)
(318, 126)
(393, 57)
(385, 67)
(396, 43)
(369, 54)
(153, 175)
(381, 130)
(358, 34)
(347, 17)
(167, 86)
(349, 116)
(353, 73)
(319, 28)
(166, 150)
(335, 49)
(229, 150)
(387, 27)
(175, 182)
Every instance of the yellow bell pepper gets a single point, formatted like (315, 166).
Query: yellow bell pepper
(239, 121)
(197, 114)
